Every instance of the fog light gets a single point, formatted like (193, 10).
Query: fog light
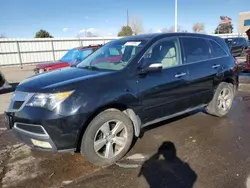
(41, 144)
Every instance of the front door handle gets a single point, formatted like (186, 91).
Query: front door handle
(180, 75)
(215, 66)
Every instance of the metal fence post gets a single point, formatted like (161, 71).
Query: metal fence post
(81, 43)
(19, 54)
(53, 51)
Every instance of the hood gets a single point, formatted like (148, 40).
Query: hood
(49, 64)
(60, 78)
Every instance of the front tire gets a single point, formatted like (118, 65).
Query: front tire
(107, 138)
(222, 100)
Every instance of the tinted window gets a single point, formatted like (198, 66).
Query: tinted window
(246, 22)
(83, 54)
(217, 49)
(70, 55)
(165, 52)
(195, 49)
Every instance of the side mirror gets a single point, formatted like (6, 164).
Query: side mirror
(154, 67)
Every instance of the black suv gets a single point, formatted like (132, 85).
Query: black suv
(101, 104)
(237, 45)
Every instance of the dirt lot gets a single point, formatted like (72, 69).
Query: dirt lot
(201, 151)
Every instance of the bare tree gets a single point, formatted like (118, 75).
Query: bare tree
(2, 36)
(198, 27)
(150, 30)
(90, 32)
(136, 25)
(163, 30)
(172, 29)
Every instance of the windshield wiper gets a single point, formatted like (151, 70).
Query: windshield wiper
(90, 67)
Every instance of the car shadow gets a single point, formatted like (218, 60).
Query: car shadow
(166, 169)
(10, 89)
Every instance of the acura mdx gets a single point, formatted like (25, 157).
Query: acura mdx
(98, 106)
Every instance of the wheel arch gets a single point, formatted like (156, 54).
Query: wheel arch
(232, 81)
(112, 106)
(229, 79)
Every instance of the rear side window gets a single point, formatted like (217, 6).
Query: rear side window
(195, 49)
(217, 50)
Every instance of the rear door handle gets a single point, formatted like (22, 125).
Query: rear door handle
(180, 75)
(215, 66)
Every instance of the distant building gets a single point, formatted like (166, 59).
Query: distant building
(244, 22)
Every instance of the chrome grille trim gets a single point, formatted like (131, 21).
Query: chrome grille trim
(46, 135)
(19, 96)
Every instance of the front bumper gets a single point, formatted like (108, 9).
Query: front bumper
(31, 139)
(40, 125)
(6, 85)
(38, 70)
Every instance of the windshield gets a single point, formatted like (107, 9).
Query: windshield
(70, 56)
(115, 55)
(75, 56)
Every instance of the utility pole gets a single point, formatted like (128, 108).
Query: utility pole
(175, 17)
(127, 18)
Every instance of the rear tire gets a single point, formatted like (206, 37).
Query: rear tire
(107, 138)
(222, 100)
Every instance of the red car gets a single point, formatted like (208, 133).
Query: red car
(73, 56)
(112, 56)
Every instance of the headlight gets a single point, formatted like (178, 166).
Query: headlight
(41, 70)
(49, 101)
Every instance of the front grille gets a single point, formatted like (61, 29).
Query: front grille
(17, 105)
(31, 128)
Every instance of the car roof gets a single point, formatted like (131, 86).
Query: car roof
(163, 35)
(89, 46)
(235, 38)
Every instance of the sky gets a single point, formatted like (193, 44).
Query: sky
(64, 18)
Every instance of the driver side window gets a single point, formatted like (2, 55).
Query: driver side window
(165, 52)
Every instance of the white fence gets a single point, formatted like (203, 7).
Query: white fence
(26, 51)
(231, 35)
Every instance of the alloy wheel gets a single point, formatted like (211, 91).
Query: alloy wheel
(110, 139)
(225, 100)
